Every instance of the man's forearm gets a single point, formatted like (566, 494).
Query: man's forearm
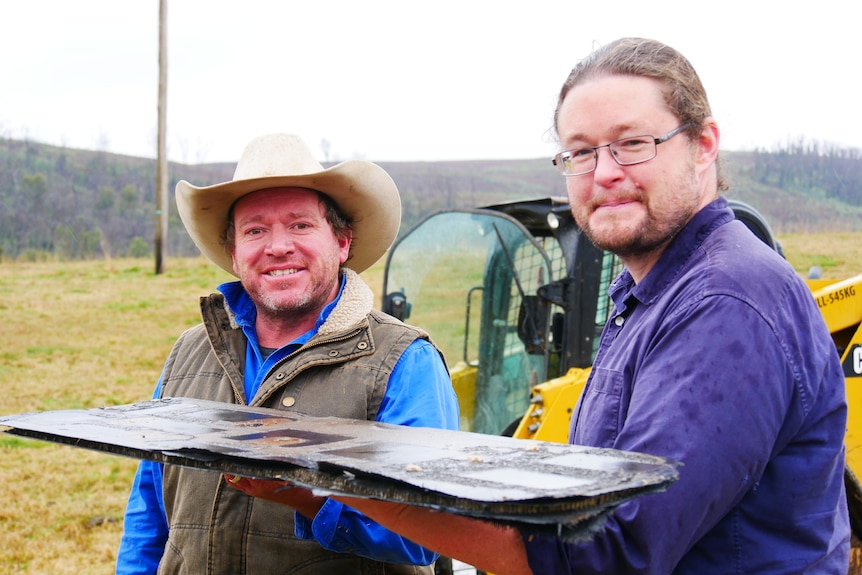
(488, 546)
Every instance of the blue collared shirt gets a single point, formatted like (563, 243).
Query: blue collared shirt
(419, 393)
(719, 359)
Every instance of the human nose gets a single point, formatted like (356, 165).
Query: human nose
(607, 167)
(281, 242)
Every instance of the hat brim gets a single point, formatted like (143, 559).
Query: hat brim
(362, 190)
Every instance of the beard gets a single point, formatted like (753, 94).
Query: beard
(665, 212)
(275, 306)
(633, 239)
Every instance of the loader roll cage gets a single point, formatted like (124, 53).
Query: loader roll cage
(511, 295)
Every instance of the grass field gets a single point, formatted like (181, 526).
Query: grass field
(89, 334)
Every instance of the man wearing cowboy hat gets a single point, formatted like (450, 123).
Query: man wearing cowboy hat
(298, 332)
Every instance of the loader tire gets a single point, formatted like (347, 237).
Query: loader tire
(443, 566)
(854, 506)
(855, 566)
(854, 502)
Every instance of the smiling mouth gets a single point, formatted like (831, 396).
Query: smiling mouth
(278, 273)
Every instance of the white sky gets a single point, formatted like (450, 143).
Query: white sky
(403, 80)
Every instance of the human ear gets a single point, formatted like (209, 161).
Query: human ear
(708, 142)
(344, 243)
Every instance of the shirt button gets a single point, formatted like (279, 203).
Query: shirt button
(288, 401)
(619, 320)
(362, 345)
(333, 353)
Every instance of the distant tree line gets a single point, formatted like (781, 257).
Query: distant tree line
(816, 167)
(68, 204)
(65, 204)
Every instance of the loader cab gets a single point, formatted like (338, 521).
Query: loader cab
(511, 293)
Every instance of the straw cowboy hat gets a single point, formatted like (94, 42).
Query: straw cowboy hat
(362, 190)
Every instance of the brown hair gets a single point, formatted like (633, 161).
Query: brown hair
(683, 91)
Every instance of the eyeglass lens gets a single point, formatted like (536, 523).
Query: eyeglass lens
(625, 152)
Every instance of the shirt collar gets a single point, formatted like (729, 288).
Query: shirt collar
(245, 313)
(675, 257)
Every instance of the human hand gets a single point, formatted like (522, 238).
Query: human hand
(284, 492)
(268, 489)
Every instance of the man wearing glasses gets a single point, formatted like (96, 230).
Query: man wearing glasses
(715, 354)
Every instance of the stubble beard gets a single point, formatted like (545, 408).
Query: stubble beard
(277, 309)
(664, 217)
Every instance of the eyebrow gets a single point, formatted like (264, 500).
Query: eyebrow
(293, 215)
(616, 130)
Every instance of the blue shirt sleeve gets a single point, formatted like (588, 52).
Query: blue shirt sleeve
(145, 524)
(419, 394)
(145, 528)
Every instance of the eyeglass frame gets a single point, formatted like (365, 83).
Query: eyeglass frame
(595, 149)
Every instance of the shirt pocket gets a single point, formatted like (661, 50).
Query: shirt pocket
(598, 422)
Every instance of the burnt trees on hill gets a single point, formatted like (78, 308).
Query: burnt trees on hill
(821, 169)
(76, 204)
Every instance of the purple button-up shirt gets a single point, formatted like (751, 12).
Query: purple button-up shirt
(719, 359)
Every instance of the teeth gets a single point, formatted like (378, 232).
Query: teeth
(282, 272)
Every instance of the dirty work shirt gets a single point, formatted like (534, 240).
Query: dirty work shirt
(336, 527)
(720, 359)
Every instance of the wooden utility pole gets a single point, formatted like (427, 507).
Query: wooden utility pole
(162, 208)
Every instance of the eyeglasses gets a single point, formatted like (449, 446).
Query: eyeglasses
(625, 152)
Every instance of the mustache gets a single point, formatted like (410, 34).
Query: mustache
(618, 197)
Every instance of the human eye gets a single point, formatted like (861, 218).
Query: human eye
(579, 154)
(633, 144)
(576, 159)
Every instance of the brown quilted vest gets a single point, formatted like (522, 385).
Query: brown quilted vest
(343, 371)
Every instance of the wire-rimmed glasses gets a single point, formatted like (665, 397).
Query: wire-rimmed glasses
(625, 152)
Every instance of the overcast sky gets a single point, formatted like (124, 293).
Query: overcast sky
(403, 80)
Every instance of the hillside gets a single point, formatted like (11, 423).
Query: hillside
(65, 203)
